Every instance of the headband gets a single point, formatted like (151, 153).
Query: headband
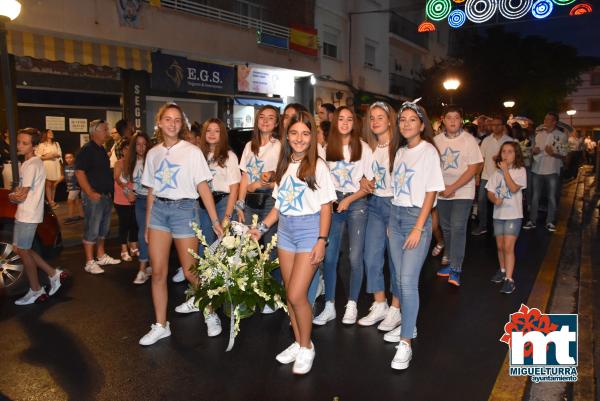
(412, 106)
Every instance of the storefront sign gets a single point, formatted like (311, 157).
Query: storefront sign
(178, 74)
(55, 123)
(78, 125)
(134, 98)
(268, 81)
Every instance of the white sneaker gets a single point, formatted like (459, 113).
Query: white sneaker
(149, 271)
(32, 297)
(289, 354)
(106, 260)
(56, 281)
(327, 315)
(188, 306)
(267, 310)
(213, 324)
(394, 335)
(141, 278)
(403, 356)
(179, 277)
(351, 313)
(320, 287)
(392, 319)
(92, 267)
(304, 360)
(377, 313)
(157, 332)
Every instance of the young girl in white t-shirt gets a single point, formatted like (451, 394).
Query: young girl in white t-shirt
(505, 191)
(349, 159)
(303, 195)
(175, 173)
(416, 179)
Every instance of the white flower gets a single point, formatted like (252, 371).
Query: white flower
(228, 242)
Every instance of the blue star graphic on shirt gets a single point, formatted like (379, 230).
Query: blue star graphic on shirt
(502, 190)
(379, 172)
(450, 158)
(290, 195)
(137, 181)
(342, 173)
(167, 175)
(254, 168)
(402, 179)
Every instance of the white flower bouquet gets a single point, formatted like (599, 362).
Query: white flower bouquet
(235, 272)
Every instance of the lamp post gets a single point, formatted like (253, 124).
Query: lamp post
(451, 84)
(9, 10)
(571, 113)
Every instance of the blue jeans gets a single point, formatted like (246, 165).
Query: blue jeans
(551, 182)
(482, 204)
(141, 205)
(376, 243)
(96, 217)
(206, 223)
(454, 218)
(355, 218)
(408, 262)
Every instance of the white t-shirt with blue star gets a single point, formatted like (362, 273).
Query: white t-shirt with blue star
(268, 156)
(456, 155)
(416, 171)
(223, 177)
(512, 203)
(381, 172)
(346, 174)
(294, 198)
(138, 171)
(176, 172)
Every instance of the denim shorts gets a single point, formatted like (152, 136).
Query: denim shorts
(298, 234)
(23, 234)
(175, 217)
(97, 216)
(507, 227)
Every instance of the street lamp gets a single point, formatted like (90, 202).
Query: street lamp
(509, 104)
(571, 113)
(9, 10)
(451, 84)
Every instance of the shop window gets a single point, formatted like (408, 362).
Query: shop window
(370, 53)
(251, 9)
(330, 43)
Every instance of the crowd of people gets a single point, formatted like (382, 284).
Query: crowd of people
(393, 187)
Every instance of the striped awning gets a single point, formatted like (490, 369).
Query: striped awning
(77, 51)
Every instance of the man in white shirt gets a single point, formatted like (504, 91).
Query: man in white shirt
(490, 146)
(549, 151)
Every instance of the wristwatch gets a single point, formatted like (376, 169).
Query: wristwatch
(326, 239)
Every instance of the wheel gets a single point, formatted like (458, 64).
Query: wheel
(12, 276)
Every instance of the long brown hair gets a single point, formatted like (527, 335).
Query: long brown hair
(372, 138)
(308, 165)
(131, 155)
(426, 134)
(45, 136)
(519, 160)
(335, 149)
(255, 141)
(184, 127)
(221, 153)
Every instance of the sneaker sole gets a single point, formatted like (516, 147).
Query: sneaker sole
(400, 365)
(453, 282)
(185, 312)
(496, 281)
(370, 323)
(91, 272)
(388, 328)
(214, 334)
(155, 341)
(348, 322)
(443, 274)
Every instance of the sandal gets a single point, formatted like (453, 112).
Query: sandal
(437, 249)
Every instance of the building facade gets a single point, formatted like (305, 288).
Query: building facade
(586, 103)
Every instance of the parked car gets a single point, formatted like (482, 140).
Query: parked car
(47, 242)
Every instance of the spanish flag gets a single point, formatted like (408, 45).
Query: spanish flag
(303, 39)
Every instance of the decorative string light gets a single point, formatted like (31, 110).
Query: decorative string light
(580, 9)
(438, 10)
(479, 11)
(457, 18)
(542, 9)
(563, 2)
(426, 26)
(459, 1)
(514, 9)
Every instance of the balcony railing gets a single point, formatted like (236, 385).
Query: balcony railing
(402, 86)
(408, 30)
(228, 17)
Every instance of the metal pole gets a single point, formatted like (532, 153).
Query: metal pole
(7, 86)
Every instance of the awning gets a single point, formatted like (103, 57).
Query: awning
(248, 101)
(29, 44)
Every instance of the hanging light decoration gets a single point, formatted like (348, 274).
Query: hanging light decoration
(563, 2)
(457, 18)
(580, 9)
(459, 1)
(426, 26)
(542, 8)
(479, 11)
(438, 10)
(514, 9)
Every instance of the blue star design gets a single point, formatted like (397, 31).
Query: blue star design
(450, 158)
(379, 172)
(137, 181)
(342, 173)
(290, 195)
(402, 179)
(502, 190)
(254, 168)
(167, 175)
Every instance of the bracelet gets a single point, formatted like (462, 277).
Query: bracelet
(262, 227)
(215, 222)
(240, 204)
(418, 229)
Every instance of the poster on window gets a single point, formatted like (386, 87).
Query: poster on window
(55, 123)
(78, 125)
